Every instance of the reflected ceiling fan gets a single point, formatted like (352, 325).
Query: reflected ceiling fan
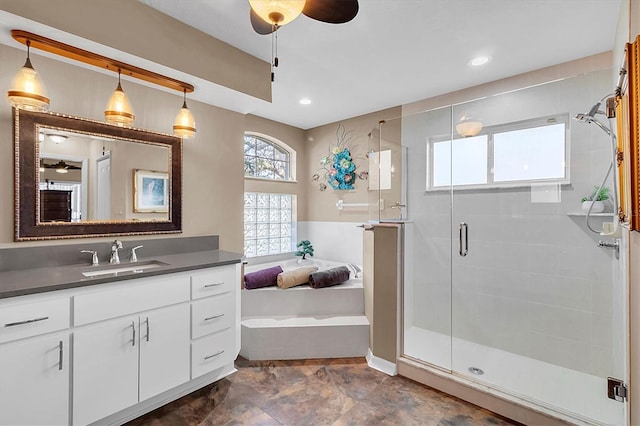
(267, 16)
(60, 166)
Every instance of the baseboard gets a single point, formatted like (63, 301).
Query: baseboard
(377, 363)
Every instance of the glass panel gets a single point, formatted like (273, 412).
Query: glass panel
(250, 247)
(469, 163)
(262, 230)
(262, 215)
(249, 199)
(274, 201)
(285, 230)
(263, 201)
(264, 149)
(274, 245)
(285, 245)
(249, 215)
(274, 230)
(534, 292)
(427, 251)
(262, 247)
(281, 154)
(274, 216)
(249, 145)
(249, 231)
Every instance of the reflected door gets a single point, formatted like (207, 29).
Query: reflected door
(103, 187)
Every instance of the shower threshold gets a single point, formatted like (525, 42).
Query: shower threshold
(560, 389)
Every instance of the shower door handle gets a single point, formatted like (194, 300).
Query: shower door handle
(464, 251)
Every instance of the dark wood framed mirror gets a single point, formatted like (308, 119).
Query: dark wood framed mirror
(76, 177)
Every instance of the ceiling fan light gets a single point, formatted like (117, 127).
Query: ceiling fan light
(27, 89)
(184, 125)
(277, 12)
(119, 110)
(62, 167)
(57, 138)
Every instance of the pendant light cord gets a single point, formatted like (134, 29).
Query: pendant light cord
(184, 105)
(274, 50)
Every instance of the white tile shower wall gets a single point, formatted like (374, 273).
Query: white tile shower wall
(337, 241)
(534, 282)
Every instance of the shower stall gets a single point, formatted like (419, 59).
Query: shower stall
(505, 287)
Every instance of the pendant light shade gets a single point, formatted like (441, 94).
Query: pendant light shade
(184, 125)
(27, 90)
(119, 110)
(277, 12)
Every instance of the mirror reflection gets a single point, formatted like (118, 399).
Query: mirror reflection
(85, 178)
(77, 178)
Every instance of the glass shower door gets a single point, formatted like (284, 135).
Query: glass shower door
(427, 244)
(536, 308)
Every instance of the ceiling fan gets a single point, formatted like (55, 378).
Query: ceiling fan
(267, 16)
(60, 166)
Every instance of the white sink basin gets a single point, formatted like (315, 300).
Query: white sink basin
(131, 268)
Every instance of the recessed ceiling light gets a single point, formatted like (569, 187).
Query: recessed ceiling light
(478, 60)
(305, 101)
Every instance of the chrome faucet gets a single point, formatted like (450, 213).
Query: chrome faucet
(117, 244)
(133, 257)
(94, 258)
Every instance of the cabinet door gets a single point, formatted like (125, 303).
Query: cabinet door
(34, 381)
(105, 374)
(164, 349)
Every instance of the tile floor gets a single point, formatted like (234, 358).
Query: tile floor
(317, 392)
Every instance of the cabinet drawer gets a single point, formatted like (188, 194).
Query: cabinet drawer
(212, 314)
(33, 318)
(212, 352)
(213, 281)
(130, 297)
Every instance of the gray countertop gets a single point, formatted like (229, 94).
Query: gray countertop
(30, 281)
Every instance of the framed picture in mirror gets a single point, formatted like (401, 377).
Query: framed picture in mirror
(150, 191)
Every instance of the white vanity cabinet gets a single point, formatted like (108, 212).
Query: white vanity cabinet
(120, 362)
(107, 353)
(34, 362)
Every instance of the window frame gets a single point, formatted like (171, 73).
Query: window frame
(277, 145)
(490, 131)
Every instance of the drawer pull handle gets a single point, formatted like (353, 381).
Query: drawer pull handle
(133, 339)
(12, 324)
(214, 317)
(147, 328)
(60, 356)
(214, 355)
(213, 285)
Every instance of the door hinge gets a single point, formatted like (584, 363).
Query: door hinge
(616, 389)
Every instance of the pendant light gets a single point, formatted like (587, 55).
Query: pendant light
(184, 125)
(27, 90)
(119, 109)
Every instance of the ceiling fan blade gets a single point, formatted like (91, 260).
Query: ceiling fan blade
(259, 26)
(331, 11)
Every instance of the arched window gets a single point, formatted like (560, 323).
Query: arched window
(264, 158)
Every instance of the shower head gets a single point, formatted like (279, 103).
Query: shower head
(587, 118)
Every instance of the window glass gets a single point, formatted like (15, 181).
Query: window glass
(265, 159)
(268, 223)
(529, 154)
(505, 155)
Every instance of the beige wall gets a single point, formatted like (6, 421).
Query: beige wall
(295, 139)
(212, 169)
(321, 205)
(134, 28)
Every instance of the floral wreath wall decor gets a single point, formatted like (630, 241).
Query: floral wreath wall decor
(338, 167)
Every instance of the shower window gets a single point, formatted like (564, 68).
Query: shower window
(269, 223)
(511, 154)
